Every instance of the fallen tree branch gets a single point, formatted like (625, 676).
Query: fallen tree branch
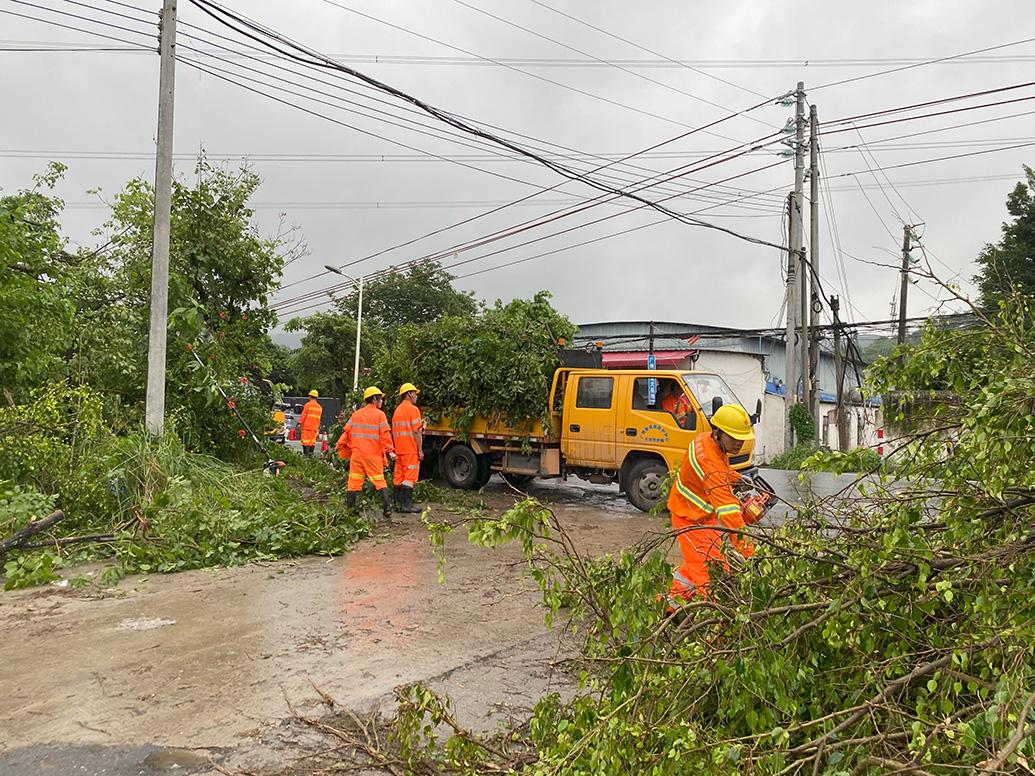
(18, 538)
(64, 540)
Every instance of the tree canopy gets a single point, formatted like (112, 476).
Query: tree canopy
(1010, 263)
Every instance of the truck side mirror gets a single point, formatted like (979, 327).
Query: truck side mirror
(716, 403)
(758, 413)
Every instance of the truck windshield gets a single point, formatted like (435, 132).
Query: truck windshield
(706, 387)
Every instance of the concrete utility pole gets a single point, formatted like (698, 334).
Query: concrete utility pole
(815, 304)
(904, 289)
(154, 407)
(794, 261)
(790, 351)
(839, 376)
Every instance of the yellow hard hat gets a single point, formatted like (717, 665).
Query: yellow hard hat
(734, 420)
(407, 387)
(373, 390)
(314, 393)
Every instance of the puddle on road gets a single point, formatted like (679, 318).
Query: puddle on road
(110, 760)
(144, 623)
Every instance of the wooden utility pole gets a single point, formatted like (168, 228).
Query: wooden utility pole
(794, 263)
(154, 407)
(904, 288)
(815, 306)
(839, 376)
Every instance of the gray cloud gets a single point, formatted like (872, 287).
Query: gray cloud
(106, 102)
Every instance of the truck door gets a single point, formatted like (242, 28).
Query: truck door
(588, 426)
(655, 427)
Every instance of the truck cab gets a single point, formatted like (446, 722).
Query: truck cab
(634, 426)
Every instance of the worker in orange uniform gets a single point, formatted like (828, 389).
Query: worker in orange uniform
(309, 423)
(675, 402)
(702, 499)
(408, 432)
(368, 441)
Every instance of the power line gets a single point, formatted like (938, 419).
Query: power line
(456, 249)
(311, 57)
(942, 158)
(433, 204)
(503, 64)
(619, 67)
(922, 63)
(53, 23)
(697, 65)
(641, 47)
(430, 131)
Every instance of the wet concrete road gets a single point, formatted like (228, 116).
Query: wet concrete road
(206, 662)
(210, 659)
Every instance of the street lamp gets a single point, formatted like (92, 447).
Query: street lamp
(359, 318)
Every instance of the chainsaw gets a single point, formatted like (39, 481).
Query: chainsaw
(760, 498)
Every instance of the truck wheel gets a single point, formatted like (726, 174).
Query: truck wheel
(643, 487)
(460, 467)
(484, 471)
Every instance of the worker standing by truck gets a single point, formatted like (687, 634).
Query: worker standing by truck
(368, 441)
(309, 423)
(408, 435)
(702, 500)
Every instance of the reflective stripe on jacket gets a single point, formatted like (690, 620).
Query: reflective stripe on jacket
(406, 425)
(367, 432)
(704, 485)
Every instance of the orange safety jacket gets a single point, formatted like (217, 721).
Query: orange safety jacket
(406, 425)
(678, 406)
(703, 488)
(367, 433)
(309, 421)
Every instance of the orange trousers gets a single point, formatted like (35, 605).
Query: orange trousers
(700, 546)
(407, 469)
(364, 466)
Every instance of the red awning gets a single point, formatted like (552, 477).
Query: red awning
(637, 359)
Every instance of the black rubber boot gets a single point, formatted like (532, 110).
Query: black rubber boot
(408, 507)
(350, 501)
(386, 502)
(399, 498)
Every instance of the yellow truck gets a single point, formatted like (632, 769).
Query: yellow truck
(626, 426)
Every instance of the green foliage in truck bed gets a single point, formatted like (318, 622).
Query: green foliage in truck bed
(497, 364)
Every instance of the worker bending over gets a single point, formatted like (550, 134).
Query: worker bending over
(309, 423)
(408, 433)
(702, 500)
(367, 442)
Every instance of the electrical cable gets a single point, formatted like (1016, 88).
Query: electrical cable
(478, 243)
(644, 48)
(935, 61)
(208, 8)
(53, 23)
(502, 64)
(452, 137)
(619, 67)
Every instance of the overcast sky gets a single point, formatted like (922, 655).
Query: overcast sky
(85, 107)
